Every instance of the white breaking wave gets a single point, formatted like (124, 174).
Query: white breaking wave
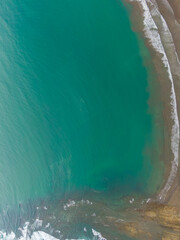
(151, 32)
(38, 235)
(97, 234)
(41, 235)
(72, 203)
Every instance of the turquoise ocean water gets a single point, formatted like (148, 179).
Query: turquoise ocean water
(74, 114)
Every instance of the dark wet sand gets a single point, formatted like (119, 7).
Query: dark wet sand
(170, 10)
(175, 4)
(160, 219)
(171, 45)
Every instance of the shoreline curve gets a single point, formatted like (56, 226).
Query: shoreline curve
(154, 35)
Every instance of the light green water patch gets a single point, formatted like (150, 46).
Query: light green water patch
(73, 101)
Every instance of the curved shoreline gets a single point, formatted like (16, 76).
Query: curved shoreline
(154, 32)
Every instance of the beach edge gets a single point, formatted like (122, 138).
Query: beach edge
(158, 28)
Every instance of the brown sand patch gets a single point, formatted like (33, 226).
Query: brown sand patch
(175, 4)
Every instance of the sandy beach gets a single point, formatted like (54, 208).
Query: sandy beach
(160, 28)
(171, 12)
(69, 166)
(158, 23)
(90, 120)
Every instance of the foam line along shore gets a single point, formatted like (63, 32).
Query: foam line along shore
(160, 40)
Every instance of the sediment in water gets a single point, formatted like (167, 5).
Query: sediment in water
(159, 40)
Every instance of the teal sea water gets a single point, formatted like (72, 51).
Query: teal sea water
(74, 118)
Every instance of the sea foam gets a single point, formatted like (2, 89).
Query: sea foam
(26, 233)
(152, 34)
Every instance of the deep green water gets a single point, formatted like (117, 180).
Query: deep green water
(73, 102)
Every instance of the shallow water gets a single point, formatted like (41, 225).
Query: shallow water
(73, 104)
